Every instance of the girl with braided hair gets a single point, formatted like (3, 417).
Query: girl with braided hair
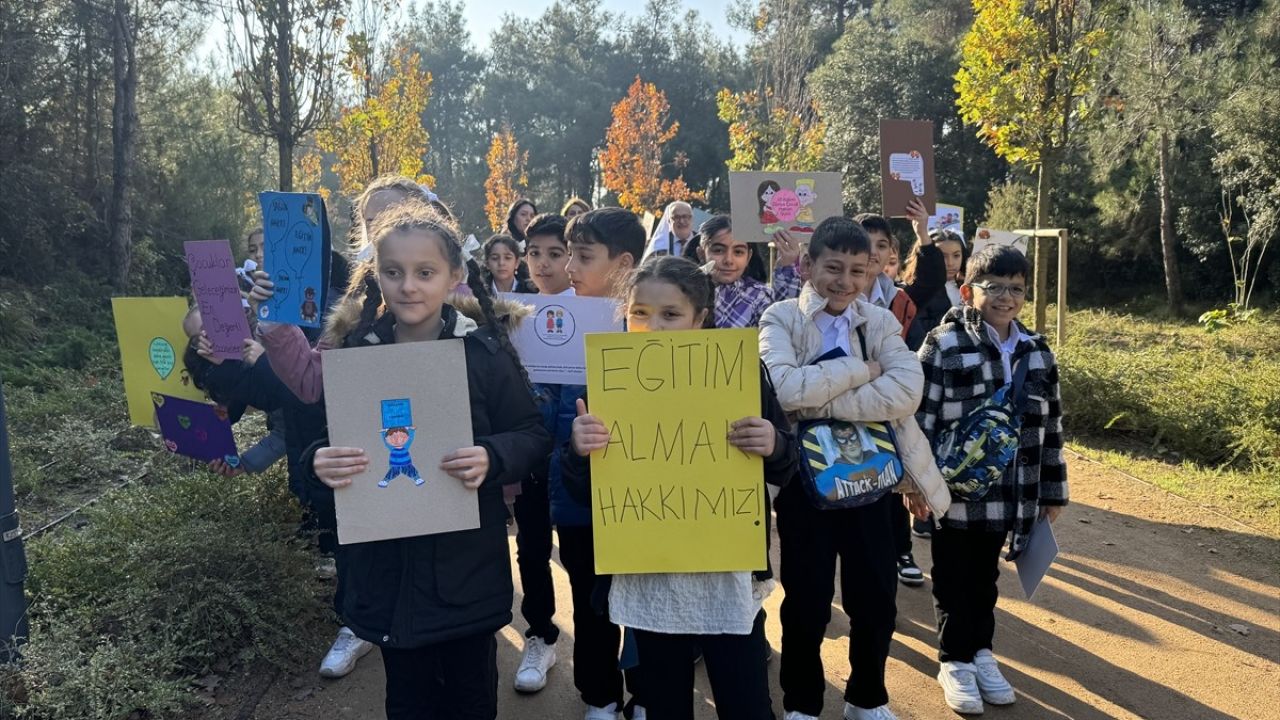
(432, 603)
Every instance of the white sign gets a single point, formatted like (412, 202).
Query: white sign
(550, 340)
(987, 236)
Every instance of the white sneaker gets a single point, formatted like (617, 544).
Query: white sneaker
(797, 715)
(853, 712)
(342, 656)
(960, 687)
(994, 688)
(539, 657)
(608, 712)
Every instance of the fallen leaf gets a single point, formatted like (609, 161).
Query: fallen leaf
(1086, 521)
(1242, 629)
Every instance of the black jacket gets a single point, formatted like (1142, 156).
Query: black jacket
(779, 468)
(411, 592)
(237, 385)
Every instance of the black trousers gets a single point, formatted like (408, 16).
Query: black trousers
(966, 565)
(901, 518)
(533, 558)
(736, 667)
(596, 641)
(454, 680)
(810, 542)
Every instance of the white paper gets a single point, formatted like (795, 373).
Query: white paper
(550, 340)
(1037, 556)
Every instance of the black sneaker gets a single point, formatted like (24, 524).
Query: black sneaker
(908, 572)
(922, 528)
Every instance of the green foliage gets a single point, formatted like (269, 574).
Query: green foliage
(1212, 399)
(165, 580)
(1232, 314)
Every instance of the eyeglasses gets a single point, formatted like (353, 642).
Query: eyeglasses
(994, 290)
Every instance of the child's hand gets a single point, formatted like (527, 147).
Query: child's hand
(753, 435)
(263, 288)
(1050, 512)
(470, 465)
(589, 433)
(335, 466)
(252, 351)
(204, 348)
(222, 468)
(788, 248)
(919, 217)
(916, 505)
(873, 370)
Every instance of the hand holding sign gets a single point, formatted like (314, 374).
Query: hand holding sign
(908, 167)
(589, 433)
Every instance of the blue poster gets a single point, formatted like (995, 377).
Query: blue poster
(296, 256)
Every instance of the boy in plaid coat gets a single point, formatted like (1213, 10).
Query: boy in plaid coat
(974, 352)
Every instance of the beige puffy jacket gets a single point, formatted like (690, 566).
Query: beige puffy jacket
(841, 388)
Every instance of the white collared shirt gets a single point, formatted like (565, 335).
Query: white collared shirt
(835, 330)
(1007, 347)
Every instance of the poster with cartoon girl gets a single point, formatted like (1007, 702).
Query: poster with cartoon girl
(763, 203)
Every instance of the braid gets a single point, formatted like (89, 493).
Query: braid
(480, 289)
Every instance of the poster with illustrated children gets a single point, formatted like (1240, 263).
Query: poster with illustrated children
(986, 236)
(149, 332)
(217, 292)
(406, 406)
(669, 480)
(762, 203)
(948, 217)
(906, 166)
(550, 340)
(295, 254)
(196, 429)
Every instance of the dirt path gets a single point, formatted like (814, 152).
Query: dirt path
(1155, 609)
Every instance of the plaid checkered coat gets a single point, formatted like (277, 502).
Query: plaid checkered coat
(962, 369)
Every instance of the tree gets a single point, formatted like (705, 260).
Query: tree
(1025, 67)
(906, 74)
(284, 55)
(124, 126)
(766, 136)
(507, 177)
(1158, 98)
(383, 134)
(632, 158)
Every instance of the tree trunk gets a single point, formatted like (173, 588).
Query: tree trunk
(1168, 239)
(124, 115)
(1044, 185)
(286, 119)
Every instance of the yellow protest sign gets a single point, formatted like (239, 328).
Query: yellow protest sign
(149, 331)
(669, 493)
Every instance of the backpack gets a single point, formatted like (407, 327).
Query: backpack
(976, 451)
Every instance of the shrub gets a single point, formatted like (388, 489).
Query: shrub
(1214, 399)
(163, 581)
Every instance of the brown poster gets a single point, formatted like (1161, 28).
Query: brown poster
(407, 406)
(906, 166)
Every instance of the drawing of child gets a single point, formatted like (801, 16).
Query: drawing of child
(805, 191)
(767, 217)
(398, 440)
(560, 321)
(551, 321)
(310, 310)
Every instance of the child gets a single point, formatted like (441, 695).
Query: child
(880, 384)
(574, 207)
(904, 299)
(604, 245)
(675, 616)
(442, 624)
(955, 252)
(501, 258)
(548, 255)
(975, 351)
(741, 300)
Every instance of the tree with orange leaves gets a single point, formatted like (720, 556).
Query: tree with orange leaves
(632, 159)
(507, 177)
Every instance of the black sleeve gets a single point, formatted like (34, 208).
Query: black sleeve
(517, 441)
(931, 275)
(781, 466)
(575, 471)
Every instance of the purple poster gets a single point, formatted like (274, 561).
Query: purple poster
(217, 291)
(196, 429)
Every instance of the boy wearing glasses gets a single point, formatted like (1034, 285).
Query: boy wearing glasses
(974, 352)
